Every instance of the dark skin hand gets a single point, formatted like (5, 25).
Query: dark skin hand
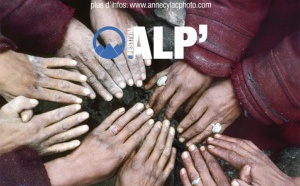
(102, 152)
(199, 163)
(218, 104)
(255, 167)
(153, 162)
(183, 82)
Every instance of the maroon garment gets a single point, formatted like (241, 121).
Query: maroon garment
(22, 167)
(35, 27)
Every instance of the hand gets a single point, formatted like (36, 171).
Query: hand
(104, 150)
(132, 70)
(153, 162)
(218, 104)
(39, 78)
(201, 165)
(183, 81)
(256, 168)
(47, 133)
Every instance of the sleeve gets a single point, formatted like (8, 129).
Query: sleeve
(268, 85)
(232, 24)
(33, 26)
(23, 167)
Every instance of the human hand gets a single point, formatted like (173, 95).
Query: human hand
(202, 167)
(39, 78)
(47, 133)
(218, 104)
(104, 150)
(153, 162)
(183, 81)
(255, 167)
(103, 75)
(133, 70)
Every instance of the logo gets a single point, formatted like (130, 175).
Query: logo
(109, 52)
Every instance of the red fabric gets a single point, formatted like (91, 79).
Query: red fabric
(22, 167)
(35, 27)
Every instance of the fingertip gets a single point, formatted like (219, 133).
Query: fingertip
(33, 102)
(73, 62)
(122, 85)
(77, 107)
(139, 83)
(182, 171)
(83, 78)
(119, 95)
(148, 62)
(235, 183)
(184, 155)
(130, 82)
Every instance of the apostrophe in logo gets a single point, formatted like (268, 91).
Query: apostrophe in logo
(109, 52)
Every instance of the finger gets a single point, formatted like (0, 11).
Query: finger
(154, 80)
(94, 82)
(62, 147)
(161, 142)
(237, 182)
(26, 115)
(64, 86)
(193, 116)
(176, 101)
(192, 102)
(166, 94)
(57, 62)
(184, 178)
(171, 163)
(65, 75)
(155, 95)
(249, 146)
(231, 157)
(128, 116)
(134, 68)
(134, 125)
(148, 62)
(200, 166)
(66, 136)
(56, 115)
(245, 174)
(190, 167)
(65, 124)
(110, 120)
(124, 69)
(198, 127)
(142, 68)
(200, 137)
(149, 143)
(167, 152)
(214, 167)
(92, 94)
(55, 96)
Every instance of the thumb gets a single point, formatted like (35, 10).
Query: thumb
(26, 115)
(245, 173)
(237, 182)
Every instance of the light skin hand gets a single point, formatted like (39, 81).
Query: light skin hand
(218, 104)
(103, 75)
(255, 167)
(40, 78)
(133, 70)
(47, 133)
(153, 162)
(183, 81)
(102, 152)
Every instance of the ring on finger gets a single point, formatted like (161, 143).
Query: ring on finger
(114, 129)
(196, 181)
(216, 128)
(162, 81)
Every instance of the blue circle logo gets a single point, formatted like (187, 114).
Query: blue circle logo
(109, 52)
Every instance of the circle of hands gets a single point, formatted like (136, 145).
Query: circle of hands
(142, 149)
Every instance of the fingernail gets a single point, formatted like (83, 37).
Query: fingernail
(166, 123)
(188, 144)
(147, 105)
(86, 91)
(248, 168)
(108, 98)
(33, 101)
(180, 130)
(73, 62)
(235, 183)
(85, 115)
(192, 147)
(130, 82)
(139, 106)
(92, 96)
(122, 85)
(172, 131)
(83, 78)
(119, 95)
(76, 143)
(202, 148)
(151, 122)
(218, 136)
(122, 110)
(25, 118)
(78, 100)
(183, 171)
(210, 139)
(143, 76)
(181, 140)
(185, 155)
(159, 125)
(77, 107)
(85, 128)
(139, 83)
(148, 62)
(149, 112)
(210, 146)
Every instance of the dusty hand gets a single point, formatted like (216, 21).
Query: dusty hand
(39, 78)
(132, 70)
(183, 81)
(201, 165)
(255, 167)
(153, 162)
(218, 104)
(47, 133)
(104, 150)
